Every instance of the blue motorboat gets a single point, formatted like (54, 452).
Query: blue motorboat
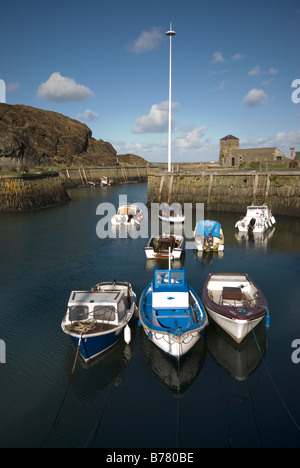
(95, 320)
(171, 314)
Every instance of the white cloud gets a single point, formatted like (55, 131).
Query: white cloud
(147, 41)
(237, 57)
(273, 71)
(157, 119)
(218, 58)
(254, 71)
(281, 140)
(191, 140)
(255, 97)
(60, 88)
(88, 116)
(10, 87)
(188, 146)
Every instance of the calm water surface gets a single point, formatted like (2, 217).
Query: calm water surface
(134, 396)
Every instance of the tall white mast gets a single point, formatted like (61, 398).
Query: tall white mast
(170, 33)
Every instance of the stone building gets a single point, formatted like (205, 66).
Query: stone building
(231, 155)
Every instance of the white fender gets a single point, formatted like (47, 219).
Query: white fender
(127, 334)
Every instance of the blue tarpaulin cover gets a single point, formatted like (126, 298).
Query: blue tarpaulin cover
(208, 226)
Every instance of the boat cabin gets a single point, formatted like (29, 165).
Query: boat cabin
(128, 210)
(100, 306)
(254, 211)
(170, 298)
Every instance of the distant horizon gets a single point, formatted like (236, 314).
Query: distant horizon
(234, 70)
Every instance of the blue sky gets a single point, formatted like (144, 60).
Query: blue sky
(107, 65)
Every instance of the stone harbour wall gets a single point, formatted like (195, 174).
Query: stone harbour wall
(28, 192)
(230, 191)
(116, 174)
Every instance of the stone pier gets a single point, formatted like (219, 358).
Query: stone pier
(27, 192)
(230, 191)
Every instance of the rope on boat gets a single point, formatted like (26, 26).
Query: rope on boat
(66, 391)
(273, 382)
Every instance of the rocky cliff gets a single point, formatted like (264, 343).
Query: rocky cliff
(32, 137)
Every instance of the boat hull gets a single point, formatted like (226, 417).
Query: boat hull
(172, 220)
(174, 330)
(150, 253)
(175, 346)
(237, 329)
(216, 248)
(235, 303)
(92, 346)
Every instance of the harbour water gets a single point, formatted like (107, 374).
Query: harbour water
(220, 395)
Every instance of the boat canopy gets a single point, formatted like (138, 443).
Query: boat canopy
(208, 226)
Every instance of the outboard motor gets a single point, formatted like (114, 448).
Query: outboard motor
(210, 240)
(251, 224)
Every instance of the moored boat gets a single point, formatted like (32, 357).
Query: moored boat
(127, 214)
(209, 236)
(158, 246)
(257, 220)
(235, 303)
(95, 320)
(171, 313)
(171, 214)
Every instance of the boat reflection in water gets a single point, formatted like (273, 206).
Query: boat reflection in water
(240, 360)
(93, 379)
(259, 240)
(176, 377)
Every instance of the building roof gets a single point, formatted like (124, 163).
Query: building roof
(229, 137)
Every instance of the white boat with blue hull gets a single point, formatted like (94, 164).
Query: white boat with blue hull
(171, 313)
(95, 320)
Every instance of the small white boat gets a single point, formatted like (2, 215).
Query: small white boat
(127, 214)
(209, 236)
(171, 313)
(235, 303)
(257, 220)
(160, 246)
(171, 214)
(95, 320)
(104, 182)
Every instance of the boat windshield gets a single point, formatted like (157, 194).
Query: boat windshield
(257, 209)
(171, 278)
(78, 312)
(104, 313)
